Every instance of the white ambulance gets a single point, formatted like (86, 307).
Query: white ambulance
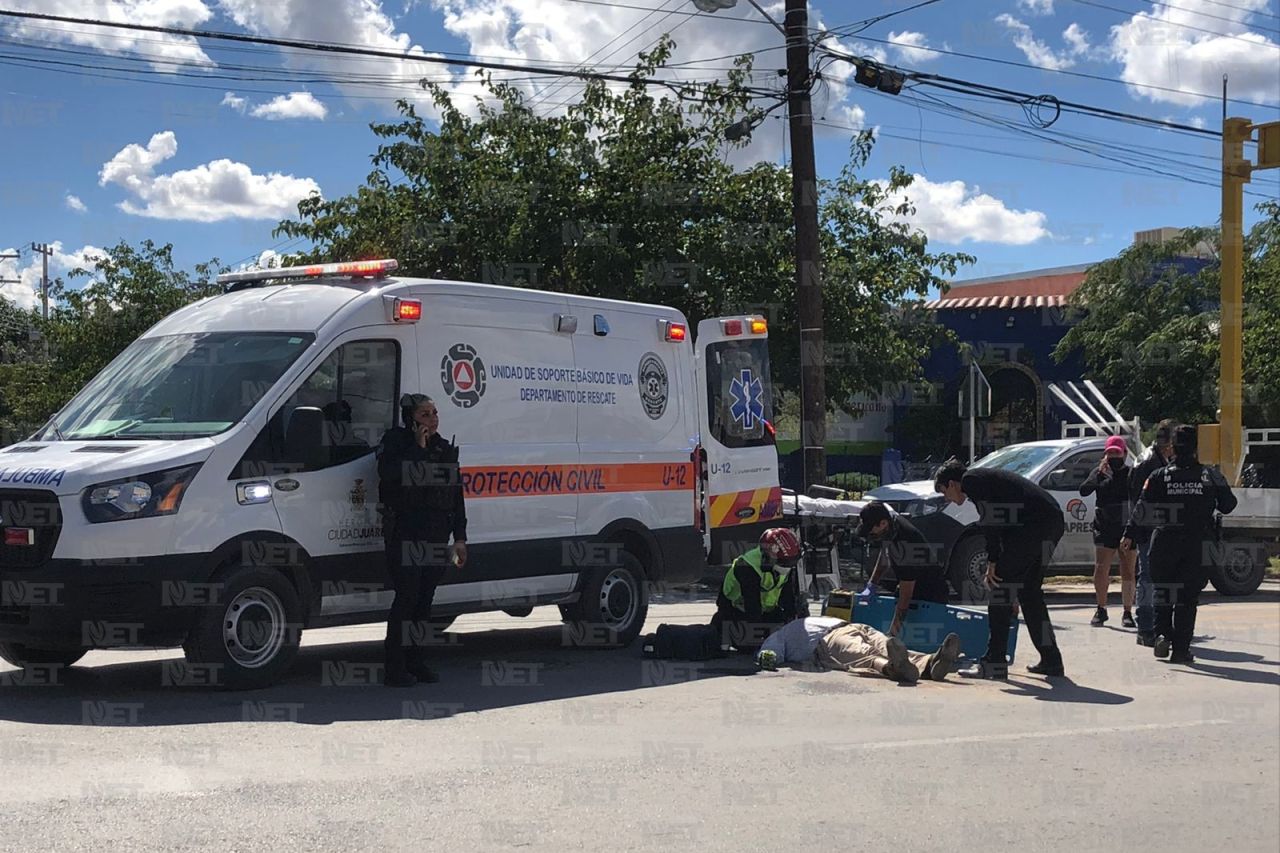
(215, 486)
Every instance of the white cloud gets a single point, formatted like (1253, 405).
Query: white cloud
(237, 103)
(954, 212)
(1036, 7)
(182, 14)
(215, 191)
(74, 203)
(1158, 49)
(295, 105)
(544, 32)
(1078, 40)
(907, 45)
(26, 292)
(1037, 52)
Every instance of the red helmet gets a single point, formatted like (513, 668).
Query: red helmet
(781, 544)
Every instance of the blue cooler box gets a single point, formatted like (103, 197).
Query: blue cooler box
(928, 623)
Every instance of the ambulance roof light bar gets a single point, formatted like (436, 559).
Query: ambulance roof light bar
(354, 269)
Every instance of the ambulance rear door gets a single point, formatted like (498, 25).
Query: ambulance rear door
(738, 468)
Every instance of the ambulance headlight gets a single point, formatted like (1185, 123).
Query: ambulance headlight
(158, 493)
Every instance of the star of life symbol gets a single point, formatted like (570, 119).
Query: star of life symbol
(748, 400)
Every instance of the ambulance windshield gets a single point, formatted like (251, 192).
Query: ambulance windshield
(738, 400)
(178, 386)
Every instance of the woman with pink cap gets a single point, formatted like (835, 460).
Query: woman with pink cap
(1111, 481)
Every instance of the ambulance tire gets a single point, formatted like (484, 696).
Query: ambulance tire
(966, 569)
(612, 607)
(250, 636)
(23, 656)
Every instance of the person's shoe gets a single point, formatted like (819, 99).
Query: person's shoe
(1047, 670)
(986, 669)
(900, 667)
(1161, 646)
(424, 674)
(1146, 639)
(1182, 657)
(1127, 620)
(1099, 616)
(944, 659)
(399, 679)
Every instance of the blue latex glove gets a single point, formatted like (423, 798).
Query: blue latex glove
(869, 591)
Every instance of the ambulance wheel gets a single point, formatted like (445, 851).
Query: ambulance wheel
(23, 656)
(613, 605)
(250, 637)
(967, 568)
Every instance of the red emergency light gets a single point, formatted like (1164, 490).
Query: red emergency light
(407, 310)
(677, 332)
(731, 327)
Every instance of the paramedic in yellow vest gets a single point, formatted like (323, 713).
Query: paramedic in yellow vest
(759, 591)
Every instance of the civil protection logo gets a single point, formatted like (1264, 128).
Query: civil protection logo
(653, 385)
(463, 375)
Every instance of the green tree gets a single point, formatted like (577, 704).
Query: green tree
(129, 290)
(1149, 333)
(629, 196)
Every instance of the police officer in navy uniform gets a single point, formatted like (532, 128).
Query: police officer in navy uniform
(1178, 503)
(421, 496)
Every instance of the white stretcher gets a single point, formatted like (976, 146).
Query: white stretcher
(822, 523)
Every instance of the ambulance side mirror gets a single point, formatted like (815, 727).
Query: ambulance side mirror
(304, 440)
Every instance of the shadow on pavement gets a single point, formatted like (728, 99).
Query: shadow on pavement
(342, 682)
(1203, 653)
(1232, 673)
(1066, 690)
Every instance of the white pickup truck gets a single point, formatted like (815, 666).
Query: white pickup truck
(1250, 533)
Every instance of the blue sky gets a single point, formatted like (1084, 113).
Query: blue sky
(137, 136)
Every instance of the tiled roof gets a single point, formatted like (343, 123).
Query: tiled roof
(954, 303)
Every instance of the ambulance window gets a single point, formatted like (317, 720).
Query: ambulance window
(739, 402)
(355, 390)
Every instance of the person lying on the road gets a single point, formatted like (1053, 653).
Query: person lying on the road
(760, 591)
(856, 649)
(916, 562)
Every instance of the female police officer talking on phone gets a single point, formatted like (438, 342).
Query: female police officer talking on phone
(420, 492)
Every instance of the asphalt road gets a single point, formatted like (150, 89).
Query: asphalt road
(528, 745)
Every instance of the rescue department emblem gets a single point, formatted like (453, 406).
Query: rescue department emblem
(653, 385)
(463, 375)
(1077, 509)
(358, 494)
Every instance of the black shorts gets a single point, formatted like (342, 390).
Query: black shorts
(1107, 534)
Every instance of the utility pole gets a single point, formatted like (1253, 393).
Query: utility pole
(808, 252)
(1236, 172)
(45, 251)
(804, 197)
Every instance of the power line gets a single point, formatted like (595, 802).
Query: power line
(330, 48)
(1131, 13)
(1230, 6)
(859, 26)
(1080, 74)
(610, 3)
(1195, 12)
(560, 87)
(1023, 98)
